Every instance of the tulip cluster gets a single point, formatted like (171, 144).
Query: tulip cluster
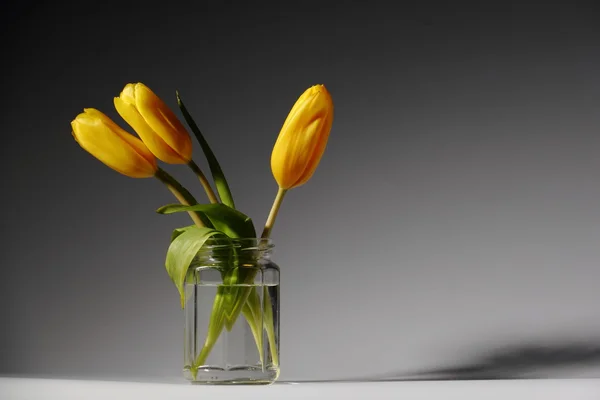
(161, 136)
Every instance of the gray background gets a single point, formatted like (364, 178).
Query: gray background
(452, 226)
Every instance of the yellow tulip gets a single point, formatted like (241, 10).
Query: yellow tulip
(155, 123)
(300, 145)
(104, 139)
(302, 138)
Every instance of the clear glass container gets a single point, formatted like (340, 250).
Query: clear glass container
(232, 314)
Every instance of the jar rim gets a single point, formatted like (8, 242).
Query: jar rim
(256, 244)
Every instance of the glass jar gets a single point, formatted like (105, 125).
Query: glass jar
(232, 313)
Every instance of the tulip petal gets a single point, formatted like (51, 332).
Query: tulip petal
(128, 94)
(163, 121)
(137, 145)
(111, 145)
(300, 108)
(303, 138)
(317, 153)
(155, 143)
(293, 159)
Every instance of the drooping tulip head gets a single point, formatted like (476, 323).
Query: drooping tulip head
(104, 139)
(155, 123)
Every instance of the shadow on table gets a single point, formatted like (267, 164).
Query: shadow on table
(515, 362)
(523, 361)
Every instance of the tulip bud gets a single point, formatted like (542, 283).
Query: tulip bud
(155, 123)
(104, 139)
(302, 138)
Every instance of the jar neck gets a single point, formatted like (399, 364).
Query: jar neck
(226, 251)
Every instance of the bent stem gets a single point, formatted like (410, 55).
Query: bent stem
(239, 296)
(257, 316)
(182, 195)
(217, 318)
(215, 326)
(204, 182)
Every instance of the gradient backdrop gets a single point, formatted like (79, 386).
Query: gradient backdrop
(454, 222)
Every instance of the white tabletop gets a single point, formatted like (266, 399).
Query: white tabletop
(550, 389)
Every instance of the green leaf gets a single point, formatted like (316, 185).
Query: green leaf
(182, 251)
(215, 168)
(230, 221)
(179, 231)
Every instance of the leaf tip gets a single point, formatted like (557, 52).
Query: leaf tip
(168, 208)
(179, 101)
(181, 291)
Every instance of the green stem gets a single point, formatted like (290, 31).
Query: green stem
(182, 195)
(273, 214)
(255, 323)
(215, 326)
(205, 184)
(238, 296)
(270, 326)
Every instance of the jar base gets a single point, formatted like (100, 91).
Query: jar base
(234, 375)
